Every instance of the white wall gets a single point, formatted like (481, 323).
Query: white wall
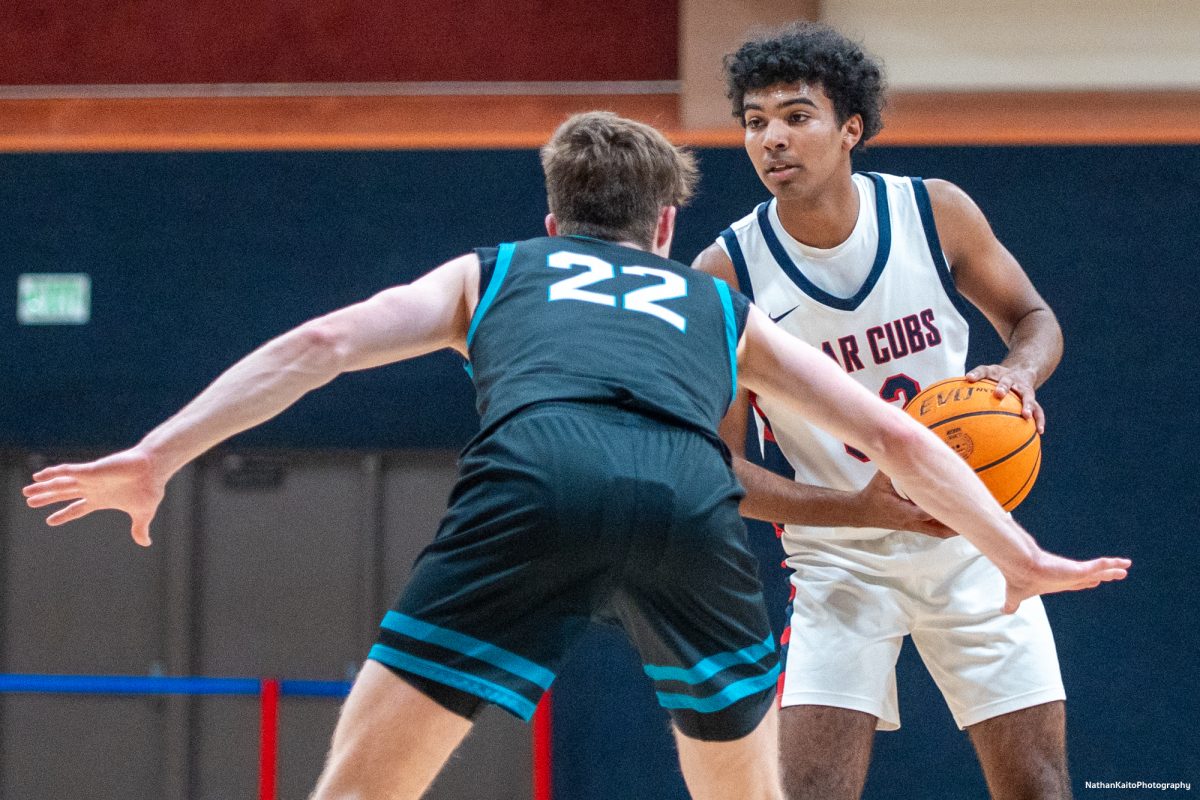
(1025, 44)
(710, 28)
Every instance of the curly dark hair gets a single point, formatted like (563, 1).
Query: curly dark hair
(812, 53)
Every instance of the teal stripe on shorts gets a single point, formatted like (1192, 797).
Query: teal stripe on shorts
(492, 692)
(469, 646)
(713, 664)
(732, 693)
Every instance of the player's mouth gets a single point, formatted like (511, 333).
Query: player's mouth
(780, 171)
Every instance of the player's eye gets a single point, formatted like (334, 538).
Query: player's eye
(797, 117)
(754, 123)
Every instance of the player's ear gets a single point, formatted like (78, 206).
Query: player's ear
(551, 225)
(665, 230)
(852, 131)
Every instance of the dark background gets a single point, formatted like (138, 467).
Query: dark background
(197, 258)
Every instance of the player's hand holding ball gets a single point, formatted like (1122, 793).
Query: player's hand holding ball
(992, 432)
(1019, 381)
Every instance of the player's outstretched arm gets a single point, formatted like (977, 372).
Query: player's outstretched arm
(773, 363)
(429, 314)
(774, 498)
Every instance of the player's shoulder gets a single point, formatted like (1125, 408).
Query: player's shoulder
(939, 189)
(953, 208)
(714, 260)
(943, 192)
(893, 181)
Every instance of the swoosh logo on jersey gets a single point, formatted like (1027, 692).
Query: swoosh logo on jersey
(784, 314)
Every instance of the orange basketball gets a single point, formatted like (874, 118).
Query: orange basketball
(1001, 446)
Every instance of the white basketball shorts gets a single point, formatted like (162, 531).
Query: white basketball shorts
(855, 601)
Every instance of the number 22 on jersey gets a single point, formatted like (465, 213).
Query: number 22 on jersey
(644, 300)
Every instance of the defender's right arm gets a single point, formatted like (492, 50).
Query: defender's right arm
(773, 498)
(778, 365)
(431, 313)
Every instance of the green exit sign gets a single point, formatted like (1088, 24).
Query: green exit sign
(54, 298)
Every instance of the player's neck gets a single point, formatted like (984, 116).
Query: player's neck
(824, 217)
(622, 243)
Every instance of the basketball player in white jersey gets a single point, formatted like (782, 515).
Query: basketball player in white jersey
(870, 269)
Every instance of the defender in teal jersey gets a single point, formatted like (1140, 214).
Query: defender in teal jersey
(597, 486)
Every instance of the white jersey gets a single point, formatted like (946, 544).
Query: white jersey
(882, 305)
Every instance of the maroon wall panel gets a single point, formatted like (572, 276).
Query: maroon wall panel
(225, 41)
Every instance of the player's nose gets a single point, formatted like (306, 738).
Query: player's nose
(775, 135)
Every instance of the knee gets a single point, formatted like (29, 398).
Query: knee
(808, 781)
(1044, 779)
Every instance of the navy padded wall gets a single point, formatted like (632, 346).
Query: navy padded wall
(198, 257)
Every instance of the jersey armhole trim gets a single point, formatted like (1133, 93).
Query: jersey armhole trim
(731, 336)
(925, 209)
(503, 258)
(734, 248)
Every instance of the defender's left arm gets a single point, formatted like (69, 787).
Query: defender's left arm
(987, 274)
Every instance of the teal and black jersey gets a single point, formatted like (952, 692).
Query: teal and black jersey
(598, 489)
(570, 318)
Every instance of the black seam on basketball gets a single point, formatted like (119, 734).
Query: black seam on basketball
(948, 420)
(1032, 472)
(1001, 461)
(1028, 442)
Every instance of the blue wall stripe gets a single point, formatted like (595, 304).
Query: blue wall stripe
(314, 688)
(503, 257)
(127, 684)
(731, 337)
(492, 692)
(710, 666)
(162, 684)
(469, 646)
(722, 699)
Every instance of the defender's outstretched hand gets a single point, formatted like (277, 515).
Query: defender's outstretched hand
(124, 481)
(1053, 573)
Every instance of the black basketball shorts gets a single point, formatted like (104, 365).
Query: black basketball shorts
(571, 512)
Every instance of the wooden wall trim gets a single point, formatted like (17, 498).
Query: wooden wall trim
(424, 122)
(1068, 117)
(306, 123)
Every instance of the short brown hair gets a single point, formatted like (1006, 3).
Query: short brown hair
(607, 177)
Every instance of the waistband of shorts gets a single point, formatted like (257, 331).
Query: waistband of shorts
(628, 417)
(908, 543)
(631, 417)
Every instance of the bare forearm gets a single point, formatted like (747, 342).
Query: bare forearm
(398, 323)
(1035, 345)
(252, 391)
(773, 498)
(935, 478)
(932, 475)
